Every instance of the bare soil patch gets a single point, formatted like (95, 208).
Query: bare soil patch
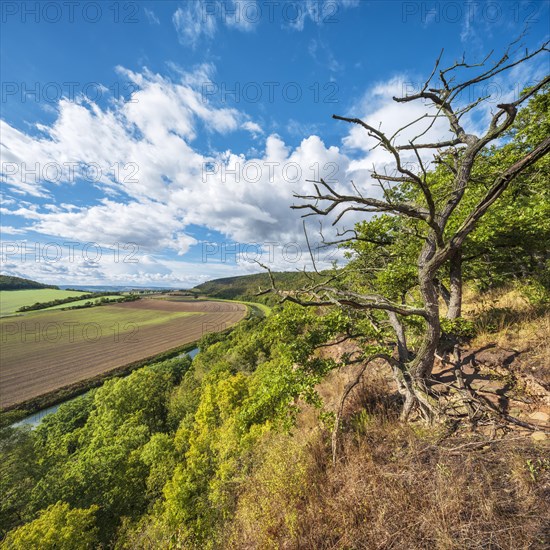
(41, 353)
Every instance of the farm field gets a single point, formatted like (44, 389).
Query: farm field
(12, 300)
(82, 302)
(44, 351)
(263, 309)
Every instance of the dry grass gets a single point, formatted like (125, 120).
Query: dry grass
(506, 318)
(399, 486)
(391, 492)
(395, 487)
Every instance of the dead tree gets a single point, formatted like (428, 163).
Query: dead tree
(413, 368)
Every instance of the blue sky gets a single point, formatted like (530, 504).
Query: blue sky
(159, 143)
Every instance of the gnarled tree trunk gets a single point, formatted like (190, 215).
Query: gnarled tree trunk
(455, 299)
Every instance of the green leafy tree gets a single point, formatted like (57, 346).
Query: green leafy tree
(440, 215)
(511, 241)
(102, 449)
(58, 527)
(19, 472)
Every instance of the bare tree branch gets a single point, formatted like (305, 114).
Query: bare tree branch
(372, 205)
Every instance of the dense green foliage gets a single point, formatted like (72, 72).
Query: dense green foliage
(58, 526)
(8, 282)
(511, 241)
(159, 454)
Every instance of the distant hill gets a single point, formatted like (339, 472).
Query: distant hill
(7, 282)
(245, 287)
(114, 288)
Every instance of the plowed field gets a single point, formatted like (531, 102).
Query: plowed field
(44, 351)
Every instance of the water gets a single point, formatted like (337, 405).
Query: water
(34, 419)
(190, 353)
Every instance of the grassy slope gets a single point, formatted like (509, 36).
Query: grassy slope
(407, 486)
(12, 300)
(246, 287)
(505, 318)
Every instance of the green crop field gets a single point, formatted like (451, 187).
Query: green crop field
(43, 351)
(82, 302)
(104, 320)
(12, 300)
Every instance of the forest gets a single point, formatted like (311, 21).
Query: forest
(8, 282)
(348, 417)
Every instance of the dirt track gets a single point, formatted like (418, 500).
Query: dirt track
(31, 368)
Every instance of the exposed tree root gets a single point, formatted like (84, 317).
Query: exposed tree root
(421, 402)
(478, 407)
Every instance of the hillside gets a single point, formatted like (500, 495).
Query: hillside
(234, 450)
(7, 282)
(246, 287)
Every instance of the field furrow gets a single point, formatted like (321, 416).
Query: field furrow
(45, 351)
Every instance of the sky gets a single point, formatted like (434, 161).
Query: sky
(160, 143)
